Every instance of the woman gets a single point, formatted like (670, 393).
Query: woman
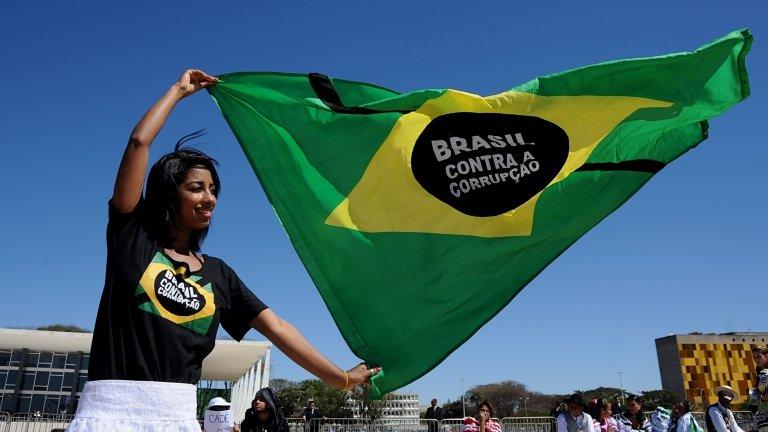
(633, 418)
(163, 300)
(484, 421)
(604, 421)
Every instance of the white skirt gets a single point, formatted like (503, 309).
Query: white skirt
(136, 406)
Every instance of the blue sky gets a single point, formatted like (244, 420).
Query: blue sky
(687, 253)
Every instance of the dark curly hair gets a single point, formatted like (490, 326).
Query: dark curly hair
(161, 198)
(485, 403)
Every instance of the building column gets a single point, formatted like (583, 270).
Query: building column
(19, 379)
(71, 405)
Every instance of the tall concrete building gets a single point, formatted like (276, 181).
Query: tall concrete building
(692, 365)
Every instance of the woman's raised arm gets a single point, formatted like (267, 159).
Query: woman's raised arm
(133, 166)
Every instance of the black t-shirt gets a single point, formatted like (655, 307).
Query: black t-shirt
(157, 320)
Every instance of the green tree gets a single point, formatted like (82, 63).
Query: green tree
(292, 401)
(607, 393)
(63, 328)
(279, 384)
(452, 409)
(367, 408)
(658, 398)
(330, 401)
(506, 397)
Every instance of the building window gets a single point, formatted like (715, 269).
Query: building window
(5, 358)
(10, 382)
(15, 358)
(41, 381)
(3, 376)
(45, 359)
(59, 359)
(31, 360)
(63, 404)
(38, 401)
(51, 404)
(81, 382)
(69, 378)
(55, 382)
(7, 404)
(84, 361)
(28, 381)
(24, 402)
(71, 360)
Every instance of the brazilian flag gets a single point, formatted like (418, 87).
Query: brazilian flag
(420, 215)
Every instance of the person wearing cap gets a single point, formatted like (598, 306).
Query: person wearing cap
(575, 419)
(264, 415)
(220, 404)
(760, 393)
(719, 415)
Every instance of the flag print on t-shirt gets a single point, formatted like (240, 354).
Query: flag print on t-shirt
(165, 291)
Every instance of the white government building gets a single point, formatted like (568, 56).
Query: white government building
(397, 408)
(44, 371)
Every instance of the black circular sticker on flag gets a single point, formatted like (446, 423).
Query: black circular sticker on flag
(486, 164)
(176, 295)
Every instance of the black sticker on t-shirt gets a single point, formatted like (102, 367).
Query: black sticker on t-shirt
(185, 301)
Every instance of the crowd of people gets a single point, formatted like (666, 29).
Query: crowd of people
(574, 414)
(600, 415)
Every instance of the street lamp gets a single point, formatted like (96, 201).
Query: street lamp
(525, 407)
(621, 387)
(463, 408)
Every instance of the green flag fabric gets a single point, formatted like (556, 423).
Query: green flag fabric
(420, 215)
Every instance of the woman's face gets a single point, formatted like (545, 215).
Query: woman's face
(196, 199)
(484, 412)
(761, 360)
(606, 412)
(678, 410)
(258, 404)
(634, 407)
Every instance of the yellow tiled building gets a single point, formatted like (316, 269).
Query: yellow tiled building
(693, 365)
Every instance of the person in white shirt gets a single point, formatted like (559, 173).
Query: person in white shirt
(633, 419)
(575, 419)
(719, 416)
